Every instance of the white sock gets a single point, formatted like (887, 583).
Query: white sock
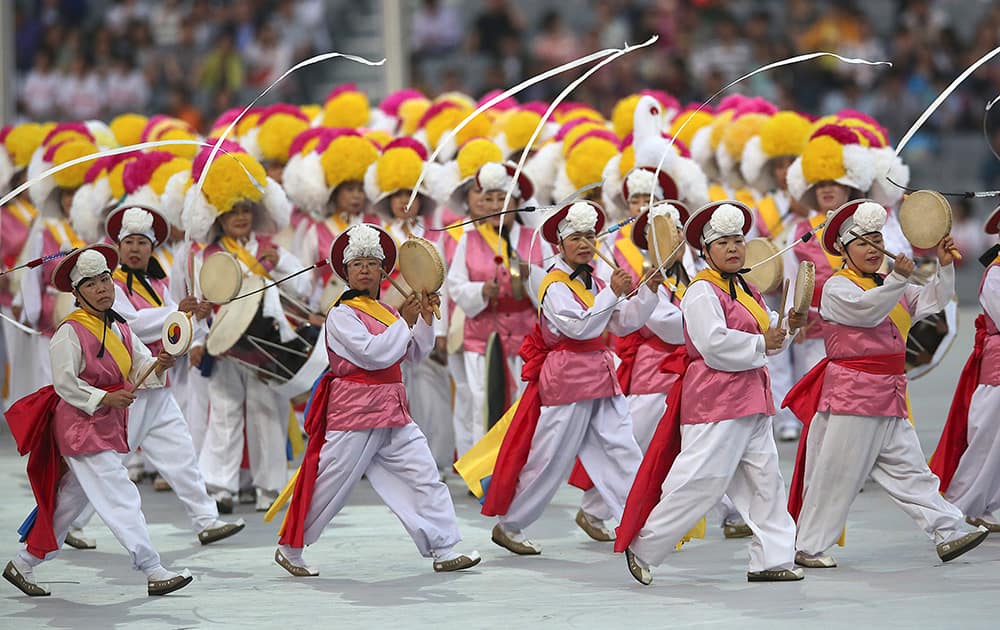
(158, 574)
(446, 554)
(293, 555)
(25, 561)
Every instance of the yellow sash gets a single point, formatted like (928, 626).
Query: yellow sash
(122, 276)
(234, 247)
(836, 262)
(373, 308)
(745, 195)
(23, 211)
(166, 259)
(456, 232)
(771, 214)
(494, 241)
(899, 316)
(745, 299)
(716, 192)
(62, 232)
(112, 343)
(629, 250)
(575, 285)
(675, 287)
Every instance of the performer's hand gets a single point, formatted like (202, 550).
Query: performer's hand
(621, 282)
(655, 281)
(16, 312)
(164, 361)
(774, 338)
(904, 266)
(268, 255)
(196, 355)
(429, 302)
(188, 304)
(120, 399)
(410, 309)
(944, 249)
(796, 320)
(203, 310)
(490, 289)
(316, 319)
(440, 351)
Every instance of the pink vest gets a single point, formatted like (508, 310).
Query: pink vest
(812, 251)
(162, 288)
(376, 404)
(15, 234)
(713, 395)
(647, 378)
(78, 433)
(569, 376)
(513, 319)
(989, 371)
(850, 392)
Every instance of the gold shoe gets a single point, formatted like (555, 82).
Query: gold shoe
(524, 548)
(978, 522)
(464, 561)
(776, 575)
(641, 574)
(596, 530)
(294, 569)
(737, 530)
(15, 577)
(163, 587)
(160, 484)
(215, 534)
(948, 551)
(820, 561)
(79, 542)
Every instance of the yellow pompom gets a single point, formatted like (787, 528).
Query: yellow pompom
(410, 113)
(163, 173)
(128, 128)
(474, 154)
(823, 160)
(864, 124)
(378, 137)
(738, 132)
(719, 124)
(458, 98)
(698, 119)
(66, 135)
(627, 161)
(576, 132)
(227, 184)
(447, 119)
(578, 112)
(243, 127)
(186, 151)
(115, 182)
(311, 110)
(346, 159)
(275, 135)
(399, 169)
(823, 121)
(347, 109)
(585, 163)
(622, 116)
(72, 177)
(22, 141)
(519, 126)
(784, 134)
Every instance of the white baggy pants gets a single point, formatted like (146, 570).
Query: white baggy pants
(600, 432)
(428, 390)
(842, 451)
(735, 457)
(975, 486)
(399, 465)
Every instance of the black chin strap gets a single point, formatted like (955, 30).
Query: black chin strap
(585, 273)
(350, 294)
(733, 278)
(153, 269)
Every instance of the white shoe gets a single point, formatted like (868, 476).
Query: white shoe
(290, 560)
(451, 560)
(515, 542)
(264, 499)
(789, 433)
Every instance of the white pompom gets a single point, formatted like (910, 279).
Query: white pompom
(581, 217)
(666, 209)
(88, 264)
(727, 219)
(642, 182)
(870, 217)
(363, 242)
(136, 221)
(493, 176)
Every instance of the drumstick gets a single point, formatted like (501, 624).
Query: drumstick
(784, 301)
(871, 244)
(406, 294)
(957, 255)
(145, 375)
(607, 259)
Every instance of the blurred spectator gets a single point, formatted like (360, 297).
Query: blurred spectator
(123, 13)
(80, 93)
(165, 22)
(127, 88)
(612, 25)
(179, 105)
(38, 92)
(554, 45)
(926, 21)
(435, 30)
(267, 57)
(967, 231)
(727, 52)
(867, 47)
(499, 21)
(222, 70)
(838, 26)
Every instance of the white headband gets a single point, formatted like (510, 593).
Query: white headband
(582, 217)
(869, 217)
(363, 242)
(726, 220)
(137, 222)
(88, 265)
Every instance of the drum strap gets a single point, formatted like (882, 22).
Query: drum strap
(236, 249)
(745, 299)
(96, 326)
(899, 316)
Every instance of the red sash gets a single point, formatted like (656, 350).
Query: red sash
(315, 426)
(955, 436)
(627, 348)
(517, 442)
(656, 463)
(803, 399)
